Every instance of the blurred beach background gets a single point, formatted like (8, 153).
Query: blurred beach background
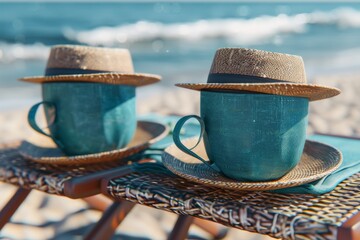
(176, 40)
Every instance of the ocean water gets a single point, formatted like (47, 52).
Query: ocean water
(175, 40)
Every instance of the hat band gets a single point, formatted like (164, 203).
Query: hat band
(70, 71)
(239, 78)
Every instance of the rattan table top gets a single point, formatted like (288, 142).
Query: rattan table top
(293, 216)
(282, 216)
(48, 178)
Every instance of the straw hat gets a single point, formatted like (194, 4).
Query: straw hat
(92, 64)
(240, 69)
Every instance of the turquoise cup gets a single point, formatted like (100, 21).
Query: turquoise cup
(250, 136)
(86, 118)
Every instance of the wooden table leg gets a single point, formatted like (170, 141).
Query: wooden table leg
(216, 230)
(111, 219)
(350, 230)
(98, 202)
(181, 228)
(12, 205)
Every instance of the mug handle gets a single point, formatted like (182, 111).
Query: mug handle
(182, 147)
(32, 113)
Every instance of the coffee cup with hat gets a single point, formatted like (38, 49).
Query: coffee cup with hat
(89, 102)
(254, 114)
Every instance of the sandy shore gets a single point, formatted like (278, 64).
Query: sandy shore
(43, 216)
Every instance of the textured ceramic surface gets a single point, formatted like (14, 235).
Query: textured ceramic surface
(253, 137)
(87, 118)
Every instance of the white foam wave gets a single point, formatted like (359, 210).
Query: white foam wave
(242, 31)
(17, 51)
(245, 31)
(341, 17)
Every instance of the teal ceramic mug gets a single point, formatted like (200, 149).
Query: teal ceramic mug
(85, 118)
(250, 136)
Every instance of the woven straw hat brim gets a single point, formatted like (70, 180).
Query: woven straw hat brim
(134, 79)
(317, 161)
(147, 133)
(311, 91)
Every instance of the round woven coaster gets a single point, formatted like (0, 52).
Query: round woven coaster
(317, 161)
(147, 133)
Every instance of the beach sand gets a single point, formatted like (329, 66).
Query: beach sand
(44, 216)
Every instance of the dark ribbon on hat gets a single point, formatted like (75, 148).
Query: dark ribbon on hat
(70, 71)
(239, 78)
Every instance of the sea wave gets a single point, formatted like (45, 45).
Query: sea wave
(242, 31)
(10, 52)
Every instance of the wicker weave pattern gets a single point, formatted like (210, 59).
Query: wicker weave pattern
(281, 216)
(16, 170)
(115, 65)
(312, 91)
(317, 161)
(259, 63)
(94, 58)
(135, 79)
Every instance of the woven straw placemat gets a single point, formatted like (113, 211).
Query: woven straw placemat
(317, 161)
(146, 134)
